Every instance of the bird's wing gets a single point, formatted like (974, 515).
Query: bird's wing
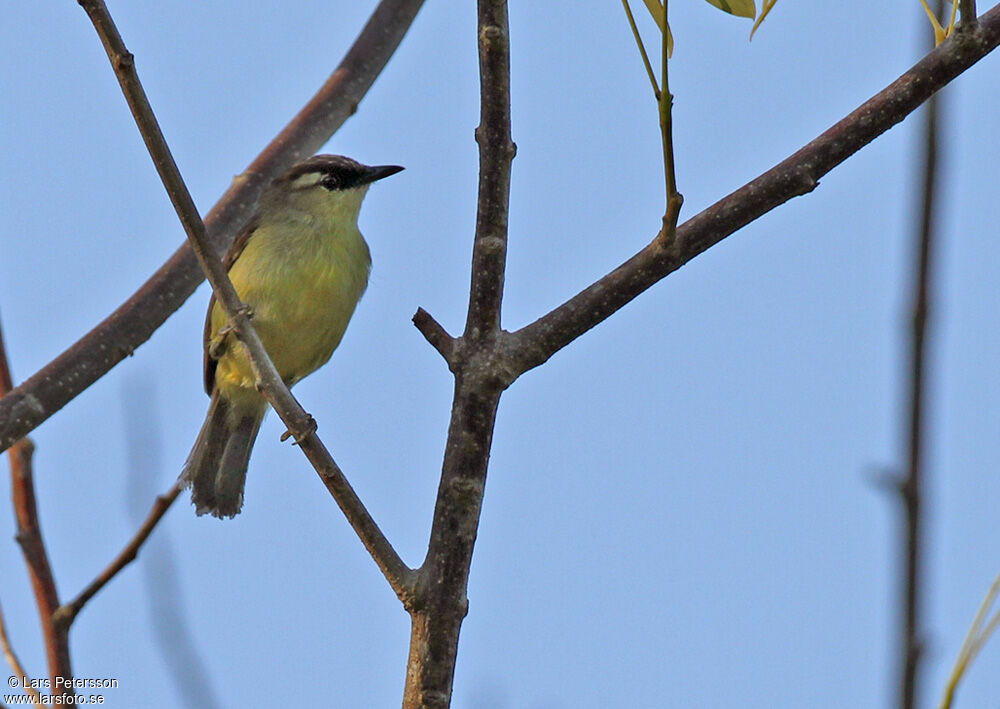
(235, 249)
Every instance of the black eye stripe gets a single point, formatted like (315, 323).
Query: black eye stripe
(334, 172)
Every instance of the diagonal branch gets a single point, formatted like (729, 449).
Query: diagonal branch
(797, 175)
(29, 536)
(66, 614)
(435, 334)
(300, 424)
(137, 319)
(642, 48)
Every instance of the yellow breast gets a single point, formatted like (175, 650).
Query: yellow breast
(302, 281)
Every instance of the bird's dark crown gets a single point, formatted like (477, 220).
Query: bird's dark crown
(334, 172)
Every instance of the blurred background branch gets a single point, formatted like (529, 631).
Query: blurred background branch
(158, 565)
(911, 487)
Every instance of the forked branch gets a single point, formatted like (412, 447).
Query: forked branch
(796, 175)
(481, 374)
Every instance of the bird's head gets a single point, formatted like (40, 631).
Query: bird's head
(332, 183)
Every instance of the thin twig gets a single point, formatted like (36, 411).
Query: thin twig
(16, 667)
(481, 374)
(435, 334)
(674, 199)
(796, 175)
(118, 336)
(300, 424)
(29, 536)
(67, 613)
(911, 487)
(642, 49)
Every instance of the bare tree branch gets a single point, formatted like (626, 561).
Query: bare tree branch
(485, 359)
(137, 319)
(796, 175)
(66, 614)
(968, 8)
(496, 151)
(29, 536)
(481, 374)
(485, 364)
(435, 334)
(300, 424)
(911, 487)
(14, 663)
(665, 105)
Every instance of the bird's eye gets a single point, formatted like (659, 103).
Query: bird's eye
(330, 182)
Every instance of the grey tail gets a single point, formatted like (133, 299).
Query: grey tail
(216, 469)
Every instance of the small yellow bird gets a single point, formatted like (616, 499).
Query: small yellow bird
(301, 265)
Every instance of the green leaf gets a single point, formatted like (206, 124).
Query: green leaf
(740, 8)
(655, 8)
(765, 8)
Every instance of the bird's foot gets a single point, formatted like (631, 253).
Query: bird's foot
(308, 428)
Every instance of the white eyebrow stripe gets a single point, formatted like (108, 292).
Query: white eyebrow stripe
(310, 179)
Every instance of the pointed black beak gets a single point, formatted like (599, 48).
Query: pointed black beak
(378, 172)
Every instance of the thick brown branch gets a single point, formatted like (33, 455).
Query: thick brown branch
(481, 374)
(134, 322)
(29, 536)
(67, 613)
(440, 600)
(968, 8)
(496, 151)
(300, 424)
(795, 176)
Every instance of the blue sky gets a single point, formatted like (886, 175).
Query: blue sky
(679, 509)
